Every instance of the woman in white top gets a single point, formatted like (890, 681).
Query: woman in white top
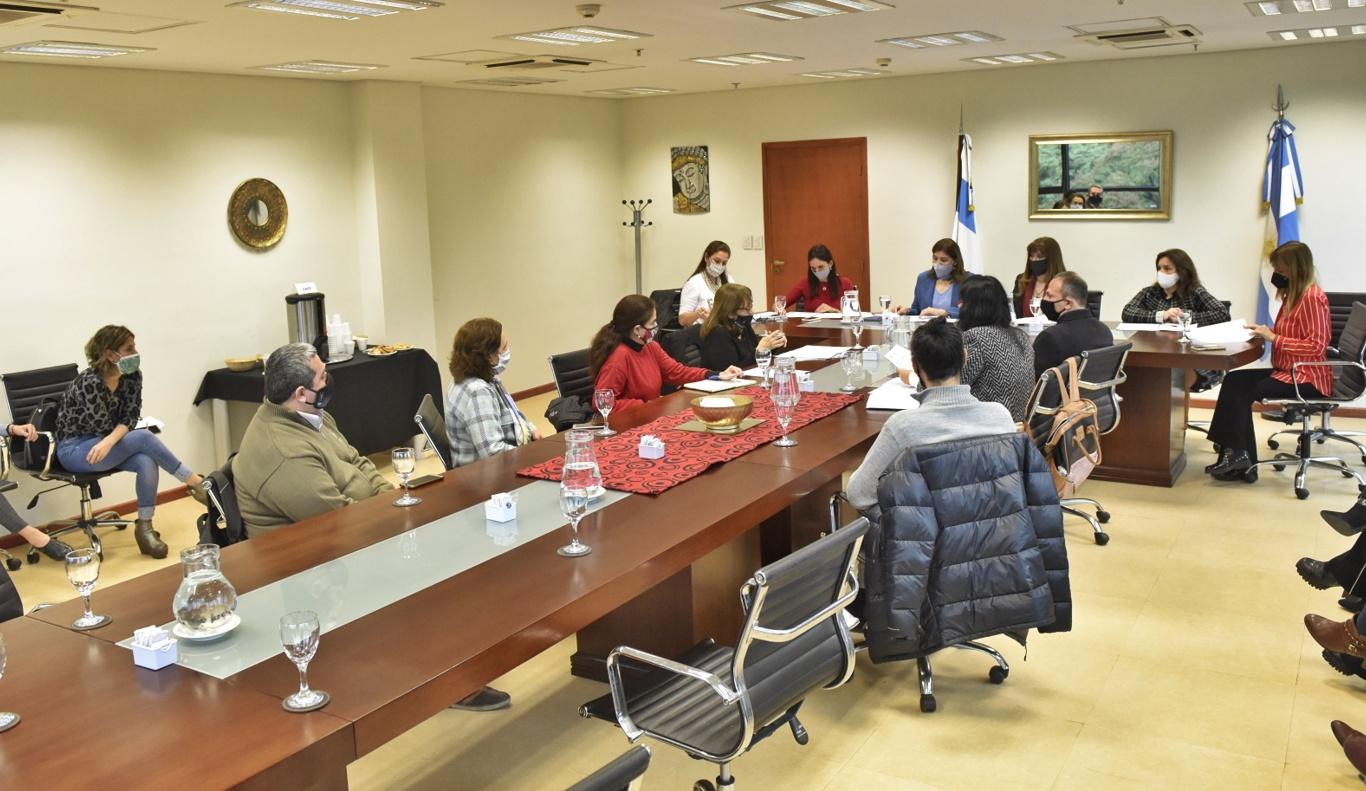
(698, 292)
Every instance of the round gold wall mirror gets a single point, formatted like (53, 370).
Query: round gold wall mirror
(258, 214)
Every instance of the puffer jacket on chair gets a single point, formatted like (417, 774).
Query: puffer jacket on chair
(970, 544)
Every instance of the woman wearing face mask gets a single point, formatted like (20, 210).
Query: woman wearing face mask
(936, 289)
(700, 290)
(1075, 200)
(95, 432)
(728, 336)
(1176, 292)
(1300, 335)
(1043, 263)
(481, 418)
(821, 289)
(623, 358)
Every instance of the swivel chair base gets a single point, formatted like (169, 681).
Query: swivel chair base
(88, 521)
(1070, 506)
(997, 674)
(1304, 456)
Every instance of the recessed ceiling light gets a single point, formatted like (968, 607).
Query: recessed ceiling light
(1278, 7)
(574, 36)
(638, 91)
(337, 9)
(745, 59)
(1317, 33)
(70, 49)
(835, 74)
(793, 10)
(941, 39)
(1023, 57)
(320, 67)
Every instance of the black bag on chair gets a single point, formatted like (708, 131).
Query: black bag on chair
(222, 524)
(565, 411)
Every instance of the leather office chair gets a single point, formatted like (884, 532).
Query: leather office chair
(432, 424)
(685, 346)
(26, 391)
(570, 372)
(222, 524)
(1339, 310)
(667, 301)
(6, 485)
(1349, 362)
(623, 773)
(1093, 299)
(716, 702)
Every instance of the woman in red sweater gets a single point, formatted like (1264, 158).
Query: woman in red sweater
(820, 291)
(1301, 333)
(623, 359)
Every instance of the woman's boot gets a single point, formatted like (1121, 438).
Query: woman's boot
(149, 540)
(1349, 522)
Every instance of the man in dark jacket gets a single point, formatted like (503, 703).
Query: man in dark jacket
(1077, 330)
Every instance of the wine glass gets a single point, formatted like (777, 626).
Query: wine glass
(857, 329)
(83, 571)
(1036, 305)
(780, 307)
(786, 394)
(8, 719)
(1184, 322)
(573, 504)
(299, 632)
(405, 462)
(762, 358)
(852, 362)
(603, 401)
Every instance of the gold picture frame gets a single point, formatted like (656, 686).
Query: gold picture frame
(1136, 165)
(258, 214)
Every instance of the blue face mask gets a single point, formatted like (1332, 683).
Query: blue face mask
(503, 360)
(943, 271)
(130, 364)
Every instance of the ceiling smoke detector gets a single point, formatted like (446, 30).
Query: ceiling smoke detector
(588, 10)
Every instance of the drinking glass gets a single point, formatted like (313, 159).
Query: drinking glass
(857, 329)
(8, 719)
(83, 571)
(299, 632)
(786, 394)
(405, 462)
(852, 362)
(1184, 321)
(762, 358)
(780, 307)
(886, 302)
(573, 504)
(603, 401)
(1035, 305)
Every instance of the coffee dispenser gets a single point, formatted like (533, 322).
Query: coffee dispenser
(308, 321)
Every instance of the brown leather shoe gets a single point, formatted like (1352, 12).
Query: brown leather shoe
(1354, 747)
(149, 541)
(1341, 637)
(1341, 731)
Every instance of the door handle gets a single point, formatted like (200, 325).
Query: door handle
(778, 264)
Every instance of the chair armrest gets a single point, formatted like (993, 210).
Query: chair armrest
(787, 635)
(628, 726)
(211, 492)
(51, 453)
(4, 459)
(1295, 368)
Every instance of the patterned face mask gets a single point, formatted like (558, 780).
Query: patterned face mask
(129, 365)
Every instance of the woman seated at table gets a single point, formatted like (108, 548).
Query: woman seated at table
(1000, 364)
(10, 519)
(1176, 292)
(821, 289)
(481, 418)
(1300, 335)
(623, 359)
(709, 275)
(99, 411)
(1043, 262)
(936, 289)
(728, 336)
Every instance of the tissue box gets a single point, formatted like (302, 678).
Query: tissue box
(804, 382)
(870, 354)
(160, 653)
(651, 451)
(500, 513)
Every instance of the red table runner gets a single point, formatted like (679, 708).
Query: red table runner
(689, 453)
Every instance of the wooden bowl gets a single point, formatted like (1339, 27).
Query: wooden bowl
(722, 419)
(240, 364)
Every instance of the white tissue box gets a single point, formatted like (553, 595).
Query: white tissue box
(804, 382)
(500, 513)
(870, 354)
(651, 451)
(155, 658)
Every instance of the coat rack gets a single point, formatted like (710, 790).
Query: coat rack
(636, 223)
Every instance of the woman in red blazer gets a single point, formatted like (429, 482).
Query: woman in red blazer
(1301, 333)
(623, 358)
(821, 289)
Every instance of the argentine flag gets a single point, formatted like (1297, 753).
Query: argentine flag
(1282, 192)
(964, 213)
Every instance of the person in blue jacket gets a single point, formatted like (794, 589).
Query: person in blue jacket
(936, 289)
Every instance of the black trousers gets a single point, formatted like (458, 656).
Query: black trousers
(1231, 426)
(1347, 568)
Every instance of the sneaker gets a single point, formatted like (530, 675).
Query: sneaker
(486, 699)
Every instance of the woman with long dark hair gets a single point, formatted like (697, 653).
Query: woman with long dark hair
(936, 289)
(624, 359)
(1043, 262)
(1000, 364)
(728, 336)
(1177, 291)
(482, 420)
(708, 276)
(821, 289)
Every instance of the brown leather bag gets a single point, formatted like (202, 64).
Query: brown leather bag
(1071, 441)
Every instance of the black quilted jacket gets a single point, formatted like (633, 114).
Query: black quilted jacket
(970, 544)
(10, 606)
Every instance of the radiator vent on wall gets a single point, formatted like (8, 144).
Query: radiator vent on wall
(1143, 38)
(12, 13)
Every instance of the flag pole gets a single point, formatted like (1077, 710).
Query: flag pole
(1281, 104)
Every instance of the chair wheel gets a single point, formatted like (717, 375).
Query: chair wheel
(1278, 467)
(14, 564)
(1273, 444)
(1103, 517)
(1102, 538)
(798, 731)
(703, 785)
(997, 675)
(1320, 440)
(1347, 474)
(120, 527)
(1303, 494)
(1363, 460)
(32, 556)
(928, 704)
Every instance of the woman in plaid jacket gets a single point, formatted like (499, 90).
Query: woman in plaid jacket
(481, 418)
(1176, 291)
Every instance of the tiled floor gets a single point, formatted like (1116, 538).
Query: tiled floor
(1188, 667)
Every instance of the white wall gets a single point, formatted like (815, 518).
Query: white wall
(1216, 104)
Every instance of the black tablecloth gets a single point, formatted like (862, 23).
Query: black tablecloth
(374, 398)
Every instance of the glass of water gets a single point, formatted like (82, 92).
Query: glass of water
(852, 362)
(1184, 322)
(405, 462)
(299, 633)
(8, 719)
(83, 571)
(603, 401)
(885, 301)
(762, 358)
(780, 307)
(786, 395)
(573, 504)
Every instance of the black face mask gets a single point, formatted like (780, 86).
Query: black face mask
(1279, 280)
(1094, 200)
(1038, 268)
(1049, 309)
(323, 395)
(744, 321)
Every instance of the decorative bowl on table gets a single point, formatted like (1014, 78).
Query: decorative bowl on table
(722, 413)
(240, 364)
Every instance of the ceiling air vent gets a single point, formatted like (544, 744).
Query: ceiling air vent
(1145, 37)
(24, 13)
(537, 62)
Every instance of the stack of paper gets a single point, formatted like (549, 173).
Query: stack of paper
(894, 395)
(1128, 326)
(717, 385)
(815, 352)
(1235, 331)
(899, 357)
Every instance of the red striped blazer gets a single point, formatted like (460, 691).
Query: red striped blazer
(1302, 335)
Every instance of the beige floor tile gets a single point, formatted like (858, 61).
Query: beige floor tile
(864, 780)
(1231, 589)
(1337, 775)
(1141, 756)
(1179, 638)
(1076, 778)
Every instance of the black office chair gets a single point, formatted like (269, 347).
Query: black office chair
(6, 485)
(685, 346)
(623, 773)
(570, 372)
(35, 397)
(433, 426)
(1349, 361)
(1339, 309)
(667, 301)
(716, 702)
(222, 523)
(1093, 299)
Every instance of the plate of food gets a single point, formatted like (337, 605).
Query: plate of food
(386, 349)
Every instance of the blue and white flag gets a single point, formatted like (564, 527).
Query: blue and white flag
(1282, 192)
(964, 212)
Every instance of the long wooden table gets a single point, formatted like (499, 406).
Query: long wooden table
(654, 580)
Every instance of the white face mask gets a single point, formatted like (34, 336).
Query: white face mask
(821, 274)
(1167, 280)
(503, 360)
(716, 269)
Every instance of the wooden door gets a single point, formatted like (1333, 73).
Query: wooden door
(815, 192)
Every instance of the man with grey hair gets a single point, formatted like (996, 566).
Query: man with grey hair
(1076, 331)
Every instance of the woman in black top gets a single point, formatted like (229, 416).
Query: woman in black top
(1000, 364)
(99, 411)
(1043, 262)
(728, 336)
(1176, 291)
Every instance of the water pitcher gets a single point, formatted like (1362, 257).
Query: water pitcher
(581, 463)
(205, 599)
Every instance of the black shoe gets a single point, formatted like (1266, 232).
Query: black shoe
(56, 550)
(486, 699)
(1239, 468)
(1346, 664)
(1352, 604)
(1224, 456)
(1316, 574)
(1349, 522)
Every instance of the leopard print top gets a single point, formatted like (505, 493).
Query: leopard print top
(90, 409)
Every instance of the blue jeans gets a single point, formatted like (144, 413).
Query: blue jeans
(139, 452)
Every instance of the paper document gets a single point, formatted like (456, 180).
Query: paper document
(151, 423)
(900, 357)
(808, 314)
(1030, 320)
(717, 385)
(1235, 331)
(1126, 326)
(893, 394)
(815, 352)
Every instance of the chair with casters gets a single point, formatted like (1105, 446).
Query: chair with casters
(667, 301)
(35, 397)
(1339, 310)
(716, 702)
(622, 773)
(6, 485)
(1093, 299)
(432, 424)
(1348, 361)
(222, 523)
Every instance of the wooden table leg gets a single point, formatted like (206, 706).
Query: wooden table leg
(1149, 444)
